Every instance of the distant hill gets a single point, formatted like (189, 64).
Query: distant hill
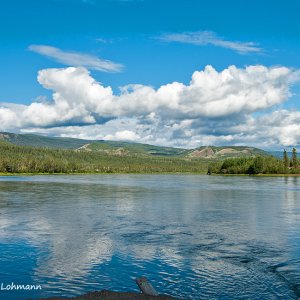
(127, 148)
(212, 152)
(123, 148)
(112, 147)
(34, 140)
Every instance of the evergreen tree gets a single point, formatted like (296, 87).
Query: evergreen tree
(294, 158)
(286, 162)
(258, 165)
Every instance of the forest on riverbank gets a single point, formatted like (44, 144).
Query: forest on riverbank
(18, 159)
(257, 165)
(25, 159)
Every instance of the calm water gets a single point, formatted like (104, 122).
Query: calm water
(194, 237)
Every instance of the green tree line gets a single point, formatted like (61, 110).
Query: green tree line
(257, 165)
(24, 159)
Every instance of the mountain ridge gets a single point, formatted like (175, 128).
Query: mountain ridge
(130, 148)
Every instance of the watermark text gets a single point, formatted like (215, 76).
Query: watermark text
(19, 287)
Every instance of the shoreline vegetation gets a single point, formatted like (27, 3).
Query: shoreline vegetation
(259, 166)
(156, 173)
(15, 159)
(39, 160)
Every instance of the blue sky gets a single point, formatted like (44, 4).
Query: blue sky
(151, 43)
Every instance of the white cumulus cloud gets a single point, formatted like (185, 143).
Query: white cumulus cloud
(215, 107)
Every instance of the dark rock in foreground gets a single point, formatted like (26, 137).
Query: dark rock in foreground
(108, 295)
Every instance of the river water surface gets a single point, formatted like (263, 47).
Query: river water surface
(194, 237)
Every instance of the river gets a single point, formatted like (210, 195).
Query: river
(194, 237)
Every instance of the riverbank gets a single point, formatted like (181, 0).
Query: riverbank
(109, 295)
(103, 173)
(148, 173)
(258, 175)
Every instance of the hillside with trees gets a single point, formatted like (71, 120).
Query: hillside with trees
(29, 153)
(128, 148)
(24, 159)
